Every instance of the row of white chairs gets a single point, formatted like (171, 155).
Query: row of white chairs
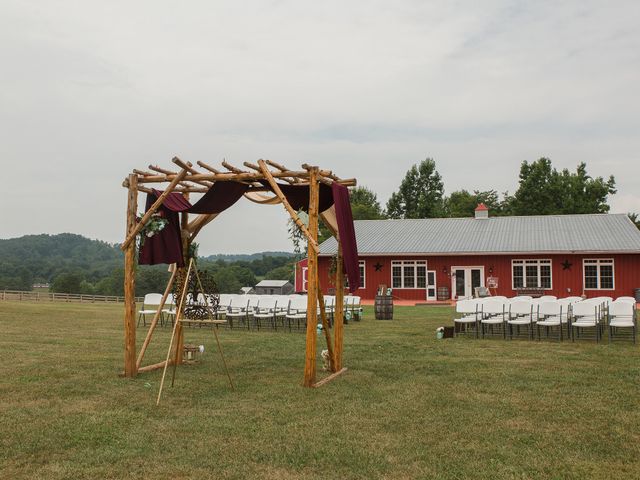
(253, 310)
(258, 310)
(574, 313)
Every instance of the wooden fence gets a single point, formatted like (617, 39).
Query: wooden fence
(60, 297)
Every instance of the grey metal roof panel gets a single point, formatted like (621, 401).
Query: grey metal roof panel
(541, 233)
(272, 283)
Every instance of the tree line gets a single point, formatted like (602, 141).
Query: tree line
(542, 190)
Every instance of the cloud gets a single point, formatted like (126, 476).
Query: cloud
(94, 89)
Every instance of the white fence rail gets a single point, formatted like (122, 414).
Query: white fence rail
(60, 297)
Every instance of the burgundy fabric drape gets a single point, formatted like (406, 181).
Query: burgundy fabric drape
(220, 196)
(347, 234)
(174, 201)
(166, 245)
(298, 195)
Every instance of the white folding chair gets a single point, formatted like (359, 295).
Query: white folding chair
(267, 309)
(468, 315)
(297, 310)
(356, 308)
(585, 315)
(169, 312)
(493, 313)
(520, 314)
(622, 315)
(547, 298)
(329, 307)
(550, 314)
(629, 300)
(150, 306)
(238, 310)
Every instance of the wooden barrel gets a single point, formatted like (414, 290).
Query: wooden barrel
(383, 307)
(443, 293)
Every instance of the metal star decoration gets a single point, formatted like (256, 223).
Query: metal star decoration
(566, 265)
(378, 266)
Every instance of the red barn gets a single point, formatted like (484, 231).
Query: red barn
(562, 255)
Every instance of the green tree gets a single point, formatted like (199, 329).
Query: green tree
(151, 279)
(461, 203)
(227, 282)
(284, 272)
(87, 288)
(544, 191)
(584, 194)
(634, 218)
(105, 286)
(67, 283)
(365, 204)
(420, 194)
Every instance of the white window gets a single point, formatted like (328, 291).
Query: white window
(409, 274)
(531, 274)
(598, 273)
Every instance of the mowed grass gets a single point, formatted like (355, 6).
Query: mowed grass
(410, 406)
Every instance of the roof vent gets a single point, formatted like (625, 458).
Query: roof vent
(482, 211)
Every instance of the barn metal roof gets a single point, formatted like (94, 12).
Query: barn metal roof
(272, 283)
(594, 233)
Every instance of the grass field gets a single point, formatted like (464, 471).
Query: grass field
(410, 406)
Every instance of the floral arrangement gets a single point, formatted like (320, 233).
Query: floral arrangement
(154, 225)
(326, 363)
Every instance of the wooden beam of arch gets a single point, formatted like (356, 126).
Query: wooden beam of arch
(231, 177)
(257, 168)
(280, 167)
(208, 167)
(157, 169)
(232, 168)
(294, 215)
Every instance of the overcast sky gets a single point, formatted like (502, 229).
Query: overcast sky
(91, 90)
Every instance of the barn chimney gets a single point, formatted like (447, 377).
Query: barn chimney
(482, 211)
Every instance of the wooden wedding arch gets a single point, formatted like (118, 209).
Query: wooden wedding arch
(261, 187)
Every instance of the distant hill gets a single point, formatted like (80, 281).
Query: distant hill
(40, 258)
(82, 265)
(247, 257)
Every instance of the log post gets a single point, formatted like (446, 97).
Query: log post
(130, 369)
(312, 285)
(338, 321)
